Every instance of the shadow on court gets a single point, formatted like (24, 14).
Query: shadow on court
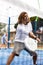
(23, 59)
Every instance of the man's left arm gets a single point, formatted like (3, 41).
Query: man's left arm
(31, 34)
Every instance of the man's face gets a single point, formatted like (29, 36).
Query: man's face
(25, 20)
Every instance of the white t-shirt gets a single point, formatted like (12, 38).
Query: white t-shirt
(23, 32)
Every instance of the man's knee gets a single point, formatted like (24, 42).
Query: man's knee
(14, 53)
(35, 54)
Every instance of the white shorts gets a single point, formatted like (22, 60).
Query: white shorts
(18, 47)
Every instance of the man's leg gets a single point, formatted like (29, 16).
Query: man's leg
(32, 53)
(18, 48)
(11, 58)
(16, 51)
(34, 59)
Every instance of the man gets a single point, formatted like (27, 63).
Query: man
(23, 40)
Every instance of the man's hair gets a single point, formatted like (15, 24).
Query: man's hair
(21, 17)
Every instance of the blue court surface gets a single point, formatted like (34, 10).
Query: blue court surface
(23, 59)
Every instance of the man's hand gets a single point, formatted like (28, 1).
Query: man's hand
(38, 39)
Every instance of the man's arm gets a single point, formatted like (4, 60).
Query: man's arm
(31, 34)
(6, 40)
